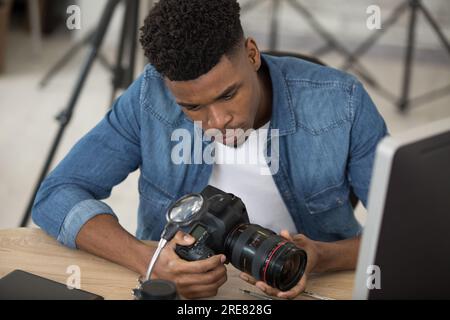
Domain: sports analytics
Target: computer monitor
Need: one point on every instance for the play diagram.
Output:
(405, 248)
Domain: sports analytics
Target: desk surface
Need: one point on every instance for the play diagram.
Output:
(33, 251)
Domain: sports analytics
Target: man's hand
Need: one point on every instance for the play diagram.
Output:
(196, 279)
(300, 241)
(104, 237)
(322, 257)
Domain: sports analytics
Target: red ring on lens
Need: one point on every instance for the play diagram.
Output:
(270, 258)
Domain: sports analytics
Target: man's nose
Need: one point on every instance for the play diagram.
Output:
(218, 118)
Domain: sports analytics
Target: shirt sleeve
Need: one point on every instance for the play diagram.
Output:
(368, 129)
(72, 193)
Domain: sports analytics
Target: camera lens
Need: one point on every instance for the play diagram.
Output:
(266, 256)
(289, 267)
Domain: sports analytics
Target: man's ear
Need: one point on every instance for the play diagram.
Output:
(253, 53)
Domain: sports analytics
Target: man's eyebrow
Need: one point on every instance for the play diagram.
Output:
(226, 92)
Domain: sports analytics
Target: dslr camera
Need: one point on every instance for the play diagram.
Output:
(221, 226)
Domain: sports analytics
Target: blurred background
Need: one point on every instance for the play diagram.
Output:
(34, 35)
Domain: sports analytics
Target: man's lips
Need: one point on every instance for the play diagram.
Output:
(234, 138)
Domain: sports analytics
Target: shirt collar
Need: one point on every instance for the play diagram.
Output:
(283, 117)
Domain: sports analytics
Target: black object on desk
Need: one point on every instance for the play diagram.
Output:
(157, 289)
(21, 285)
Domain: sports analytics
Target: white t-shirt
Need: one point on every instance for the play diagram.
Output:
(238, 171)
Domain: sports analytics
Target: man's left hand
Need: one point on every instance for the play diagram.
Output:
(302, 242)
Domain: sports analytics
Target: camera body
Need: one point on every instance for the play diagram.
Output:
(224, 212)
(224, 228)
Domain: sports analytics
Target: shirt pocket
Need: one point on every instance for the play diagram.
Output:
(331, 212)
(330, 198)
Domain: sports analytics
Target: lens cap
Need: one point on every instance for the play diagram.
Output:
(157, 290)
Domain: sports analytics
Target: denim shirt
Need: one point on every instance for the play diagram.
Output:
(328, 130)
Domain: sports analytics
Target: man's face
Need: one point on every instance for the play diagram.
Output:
(227, 97)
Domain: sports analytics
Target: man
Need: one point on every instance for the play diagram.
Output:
(203, 70)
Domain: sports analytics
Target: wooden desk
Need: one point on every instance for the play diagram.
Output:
(33, 251)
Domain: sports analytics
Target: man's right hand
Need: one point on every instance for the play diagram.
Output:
(103, 236)
(194, 279)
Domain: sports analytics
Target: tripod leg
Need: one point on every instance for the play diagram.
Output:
(118, 69)
(404, 100)
(65, 58)
(322, 50)
(65, 116)
(435, 26)
(134, 25)
(104, 62)
(273, 40)
(68, 55)
(124, 71)
(430, 96)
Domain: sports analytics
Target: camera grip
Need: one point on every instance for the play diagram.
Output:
(193, 252)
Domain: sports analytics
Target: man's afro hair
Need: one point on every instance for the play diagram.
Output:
(184, 39)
